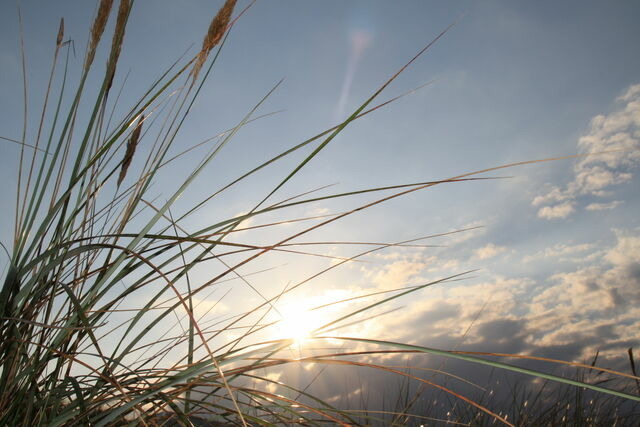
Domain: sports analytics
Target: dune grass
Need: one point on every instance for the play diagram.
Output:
(89, 239)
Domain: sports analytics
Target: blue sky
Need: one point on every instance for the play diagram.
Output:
(558, 256)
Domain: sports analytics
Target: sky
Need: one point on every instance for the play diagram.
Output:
(556, 251)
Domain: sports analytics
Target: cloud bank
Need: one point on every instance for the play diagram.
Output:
(566, 315)
(617, 135)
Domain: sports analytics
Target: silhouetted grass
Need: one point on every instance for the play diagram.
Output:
(98, 317)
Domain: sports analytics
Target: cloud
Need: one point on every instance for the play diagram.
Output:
(440, 264)
(561, 249)
(397, 273)
(566, 315)
(555, 194)
(603, 206)
(269, 381)
(560, 211)
(503, 335)
(617, 135)
(626, 253)
(489, 251)
(593, 305)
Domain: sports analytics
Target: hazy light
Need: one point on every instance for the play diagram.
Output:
(359, 41)
(298, 322)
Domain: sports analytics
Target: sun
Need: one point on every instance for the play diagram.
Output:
(300, 317)
(298, 322)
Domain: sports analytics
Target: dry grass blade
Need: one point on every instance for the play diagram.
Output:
(131, 149)
(216, 30)
(99, 23)
(632, 362)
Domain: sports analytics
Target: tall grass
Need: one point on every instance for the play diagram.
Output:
(99, 316)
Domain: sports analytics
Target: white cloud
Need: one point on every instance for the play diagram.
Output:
(560, 211)
(593, 303)
(566, 315)
(561, 251)
(617, 135)
(397, 274)
(473, 229)
(627, 252)
(603, 206)
(489, 251)
(269, 381)
(555, 194)
(439, 264)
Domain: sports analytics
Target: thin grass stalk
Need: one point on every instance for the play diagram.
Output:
(24, 127)
(57, 204)
(168, 138)
(59, 39)
(161, 211)
(190, 314)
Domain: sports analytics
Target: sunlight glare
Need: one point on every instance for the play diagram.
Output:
(298, 322)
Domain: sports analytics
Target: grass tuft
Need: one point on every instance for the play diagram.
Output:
(108, 305)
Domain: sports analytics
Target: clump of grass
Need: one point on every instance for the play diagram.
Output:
(550, 404)
(98, 320)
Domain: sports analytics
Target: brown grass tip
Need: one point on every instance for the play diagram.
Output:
(118, 37)
(97, 29)
(216, 30)
(131, 149)
(60, 33)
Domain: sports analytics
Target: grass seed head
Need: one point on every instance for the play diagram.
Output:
(217, 29)
(97, 29)
(118, 37)
(60, 33)
(131, 149)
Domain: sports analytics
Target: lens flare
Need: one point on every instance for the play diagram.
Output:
(359, 41)
(298, 322)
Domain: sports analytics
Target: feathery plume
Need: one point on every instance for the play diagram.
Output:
(131, 149)
(118, 37)
(217, 29)
(60, 33)
(97, 29)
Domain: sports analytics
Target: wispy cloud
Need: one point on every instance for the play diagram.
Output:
(489, 251)
(561, 210)
(618, 136)
(397, 273)
(561, 252)
(603, 206)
